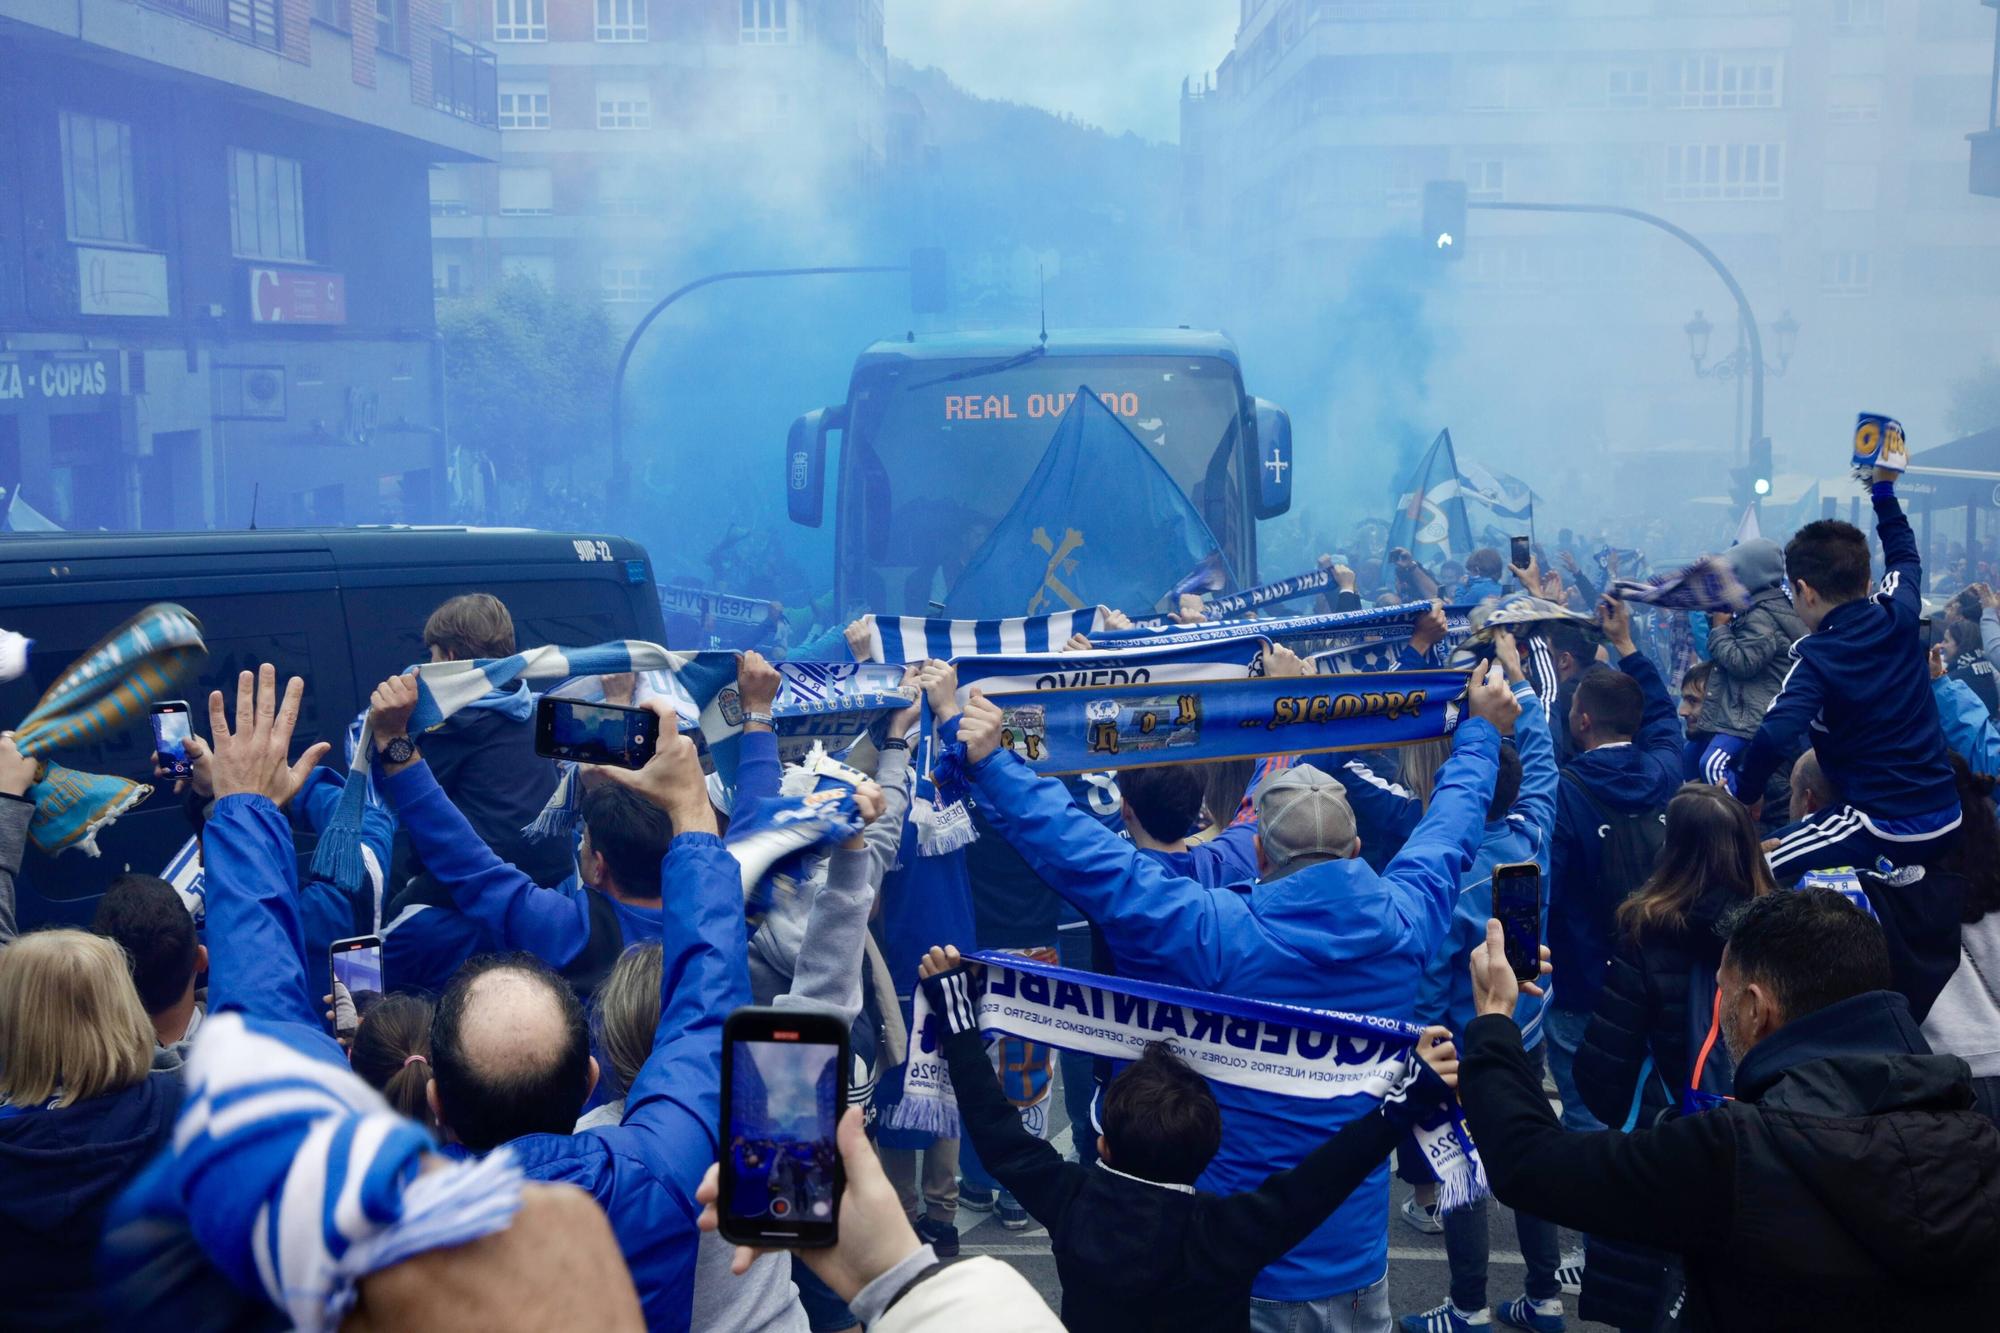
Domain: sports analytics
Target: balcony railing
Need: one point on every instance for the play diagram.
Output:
(252, 21)
(465, 80)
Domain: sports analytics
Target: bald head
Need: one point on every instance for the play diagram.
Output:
(510, 1053)
(1811, 792)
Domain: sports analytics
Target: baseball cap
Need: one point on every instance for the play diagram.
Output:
(1302, 817)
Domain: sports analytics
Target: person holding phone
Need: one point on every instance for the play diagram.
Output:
(1511, 864)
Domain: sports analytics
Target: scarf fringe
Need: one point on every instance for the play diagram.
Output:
(942, 829)
(559, 818)
(937, 1116)
(103, 819)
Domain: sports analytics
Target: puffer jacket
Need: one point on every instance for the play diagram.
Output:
(1643, 1011)
(1753, 651)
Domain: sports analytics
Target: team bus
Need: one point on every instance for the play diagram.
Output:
(940, 432)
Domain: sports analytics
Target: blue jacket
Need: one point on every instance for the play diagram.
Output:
(495, 906)
(1334, 935)
(644, 1171)
(1968, 727)
(1859, 694)
(1228, 859)
(1641, 775)
(330, 914)
(1522, 834)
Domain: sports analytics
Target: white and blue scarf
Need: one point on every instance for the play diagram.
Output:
(1278, 1048)
(295, 1179)
(903, 639)
(1264, 594)
(1709, 584)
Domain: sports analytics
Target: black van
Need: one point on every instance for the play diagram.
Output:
(343, 607)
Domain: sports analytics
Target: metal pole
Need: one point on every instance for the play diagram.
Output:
(619, 486)
(1693, 242)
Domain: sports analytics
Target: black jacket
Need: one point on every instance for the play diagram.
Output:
(60, 1170)
(1643, 1010)
(1134, 1255)
(1850, 1186)
(487, 765)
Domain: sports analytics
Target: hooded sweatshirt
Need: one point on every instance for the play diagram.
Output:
(1850, 1186)
(60, 1170)
(1752, 652)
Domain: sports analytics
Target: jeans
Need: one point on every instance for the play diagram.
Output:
(825, 1311)
(1466, 1243)
(1363, 1311)
(1564, 1029)
(1076, 1071)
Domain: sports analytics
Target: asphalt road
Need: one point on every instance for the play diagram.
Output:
(1418, 1275)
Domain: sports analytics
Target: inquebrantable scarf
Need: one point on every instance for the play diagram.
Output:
(292, 1179)
(1284, 1049)
(104, 691)
(1709, 584)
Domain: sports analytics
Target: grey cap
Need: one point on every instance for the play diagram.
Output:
(1302, 817)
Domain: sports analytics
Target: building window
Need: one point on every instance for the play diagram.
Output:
(447, 276)
(1854, 100)
(333, 13)
(448, 192)
(766, 23)
(1485, 178)
(624, 106)
(1846, 272)
(527, 192)
(1856, 15)
(1713, 82)
(621, 20)
(540, 268)
(626, 280)
(267, 206)
(524, 106)
(392, 27)
(520, 21)
(1628, 86)
(1725, 171)
(98, 182)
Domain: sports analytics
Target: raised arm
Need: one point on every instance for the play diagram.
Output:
(519, 913)
(258, 964)
(676, 1097)
(827, 972)
(1659, 724)
(1743, 647)
(1536, 805)
(1785, 722)
(1383, 809)
(1902, 589)
(1989, 627)
(758, 770)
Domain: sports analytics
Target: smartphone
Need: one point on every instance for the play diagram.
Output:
(172, 726)
(595, 733)
(357, 963)
(1517, 902)
(1521, 551)
(784, 1085)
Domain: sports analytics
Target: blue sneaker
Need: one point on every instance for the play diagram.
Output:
(973, 1198)
(1013, 1217)
(1446, 1318)
(1532, 1314)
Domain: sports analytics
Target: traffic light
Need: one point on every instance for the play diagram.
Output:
(1444, 217)
(1760, 468)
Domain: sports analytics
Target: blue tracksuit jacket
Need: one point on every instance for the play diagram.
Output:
(1859, 694)
(1334, 935)
(1968, 727)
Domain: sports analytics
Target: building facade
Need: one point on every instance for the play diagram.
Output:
(1818, 146)
(214, 225)
(629, 129)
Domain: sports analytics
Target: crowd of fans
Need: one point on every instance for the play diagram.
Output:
(1759, 1074)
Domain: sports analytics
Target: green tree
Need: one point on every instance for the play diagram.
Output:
(528, 383)
(1975, 400)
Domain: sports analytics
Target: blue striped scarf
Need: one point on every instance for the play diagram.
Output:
(1278, 590)
(903, 639)
(295, 1178)
(1709, 584)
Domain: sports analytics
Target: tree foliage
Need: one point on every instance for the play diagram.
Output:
(1975, 400)
(528, 376)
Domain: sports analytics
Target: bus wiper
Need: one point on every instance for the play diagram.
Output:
(974, 372)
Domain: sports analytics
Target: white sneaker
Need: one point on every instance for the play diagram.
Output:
(1569, 1274)
(1422, 1217)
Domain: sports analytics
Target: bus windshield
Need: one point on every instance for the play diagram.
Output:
(938, 451)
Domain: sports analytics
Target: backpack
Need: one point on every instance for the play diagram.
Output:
(1631, 844)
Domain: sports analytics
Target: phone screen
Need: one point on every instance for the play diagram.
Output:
(595, 733)
(1521, 552)
(171, 730)
(1517, 903)
(781, 1166)
(357, 964)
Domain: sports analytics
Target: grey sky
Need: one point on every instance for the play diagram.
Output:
(1113, 63)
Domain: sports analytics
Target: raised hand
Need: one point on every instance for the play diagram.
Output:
(1434, 1048)
(940, 959)
(672, 779)
(17, 771)
(1494, 987)
(757, 684)
(1489, 698)
(1282, 661)
(979, 727)
(251, 760)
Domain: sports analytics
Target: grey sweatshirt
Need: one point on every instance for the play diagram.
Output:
(15, 812)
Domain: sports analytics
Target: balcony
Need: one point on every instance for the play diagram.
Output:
(465, 80)
(252, 21)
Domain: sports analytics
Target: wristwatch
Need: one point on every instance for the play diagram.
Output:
(399, 749)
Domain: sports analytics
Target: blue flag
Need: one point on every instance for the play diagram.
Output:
(1099, 523)
(1430, 516)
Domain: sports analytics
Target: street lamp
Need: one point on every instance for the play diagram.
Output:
(1787, 332)
(1697, 330)
(1738, 364)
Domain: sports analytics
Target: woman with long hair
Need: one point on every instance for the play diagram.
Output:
(1653, 1035)
(392, 1053)
(81, 1111)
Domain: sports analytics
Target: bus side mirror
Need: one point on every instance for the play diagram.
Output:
(1274, 459)
(805, 463)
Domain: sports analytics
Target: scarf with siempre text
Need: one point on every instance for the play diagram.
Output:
(1288, 1050)
(106, 690)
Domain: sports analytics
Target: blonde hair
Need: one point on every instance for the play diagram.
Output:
(71, 1025)
(627, 1008)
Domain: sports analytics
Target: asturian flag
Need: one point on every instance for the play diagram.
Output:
(1430, 517)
